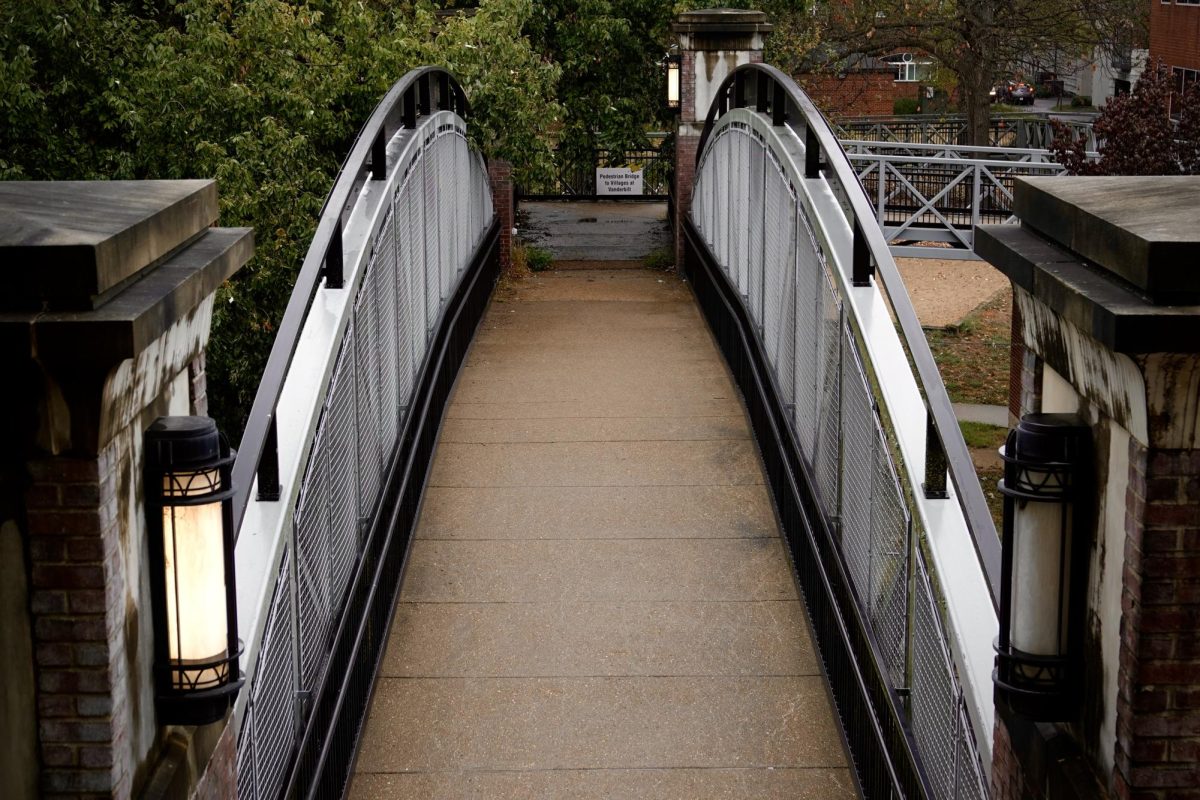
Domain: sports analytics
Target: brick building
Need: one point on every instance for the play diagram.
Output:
(1175, 38)
(868, 87)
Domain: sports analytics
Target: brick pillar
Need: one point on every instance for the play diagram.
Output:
(80, 638)
(106, 326)
(712, 43)
(1158, 702)
(500, 178)
(685, 176)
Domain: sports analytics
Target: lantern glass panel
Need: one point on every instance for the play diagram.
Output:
(194, 563)
(673, 85)
(1040, 575)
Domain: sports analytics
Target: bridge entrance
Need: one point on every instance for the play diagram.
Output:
(597, 601)
(572, 541)
(597, 234)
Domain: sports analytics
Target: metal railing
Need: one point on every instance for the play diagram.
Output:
(342, 430)
(575, 176)
(1004, 130)
(1027, 155)
(900, 569)
(928, 204)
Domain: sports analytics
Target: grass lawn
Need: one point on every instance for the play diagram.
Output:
(973, 357)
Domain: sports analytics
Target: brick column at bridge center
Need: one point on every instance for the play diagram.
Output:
(712, 43)
(110, 289)
(1107, 305)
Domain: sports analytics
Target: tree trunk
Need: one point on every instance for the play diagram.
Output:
(978, 106)
(977, 67)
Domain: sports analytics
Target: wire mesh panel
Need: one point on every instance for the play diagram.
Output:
(430, 234)
(970, 780)
(383, 273)
(739, 182)
(273, 694)
(314, 582)
(779, 232)
(367, 352)
(891, 528)
(935, 699)
(443, 154)
(827, 457)
(341, 453)
(247, 779)
(858, 466)
(755, 239)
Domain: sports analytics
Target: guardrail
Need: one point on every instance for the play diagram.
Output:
(928, 205)
(900, 569)
(334, 458)
(1025, 155)
(1004, 130)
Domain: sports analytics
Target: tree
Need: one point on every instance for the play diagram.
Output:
(264, 95)
(1155, 130)
(978, 41)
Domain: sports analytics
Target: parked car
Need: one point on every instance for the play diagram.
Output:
(1020, 94)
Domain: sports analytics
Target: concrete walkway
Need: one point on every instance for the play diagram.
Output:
(584, 232)
(597, 602)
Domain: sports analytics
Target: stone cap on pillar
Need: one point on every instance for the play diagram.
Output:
(97, 274)
(99, 269)
(722, 29)
(67, 244)
(1119, 257)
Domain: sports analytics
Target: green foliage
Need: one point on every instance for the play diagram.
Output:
(1155, 130)
(537, 259)
(612, 85)
(266, 96)
(906, 105)
(663, 258)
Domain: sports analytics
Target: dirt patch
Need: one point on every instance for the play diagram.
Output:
(595, 264)
(945, 291)
(973, 356)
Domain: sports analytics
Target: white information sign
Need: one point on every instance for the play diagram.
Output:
(618, 180)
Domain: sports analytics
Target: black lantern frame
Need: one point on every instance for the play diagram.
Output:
(672, 69)
(188, 488)
(1046, 461)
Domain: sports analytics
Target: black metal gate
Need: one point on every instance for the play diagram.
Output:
(574, 175)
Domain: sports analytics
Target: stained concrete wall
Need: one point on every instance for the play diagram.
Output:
(1103, 639)
(18, 713)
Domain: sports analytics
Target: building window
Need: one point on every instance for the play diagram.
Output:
(1188, 2)
(1184, 78)
(908, 69)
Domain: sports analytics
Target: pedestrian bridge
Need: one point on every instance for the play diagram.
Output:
(609, 533)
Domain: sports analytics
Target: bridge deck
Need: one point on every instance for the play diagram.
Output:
(597, 601)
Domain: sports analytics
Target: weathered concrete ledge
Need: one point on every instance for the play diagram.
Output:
(722, 29)
(1105, 308)
(65, 244)
(136, 316)
(1140, 229)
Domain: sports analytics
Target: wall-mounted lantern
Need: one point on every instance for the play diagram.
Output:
(672, 64)
(189, 527)
(1043, 566)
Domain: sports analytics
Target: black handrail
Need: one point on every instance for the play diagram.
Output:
(419, 93)
(764, 88)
